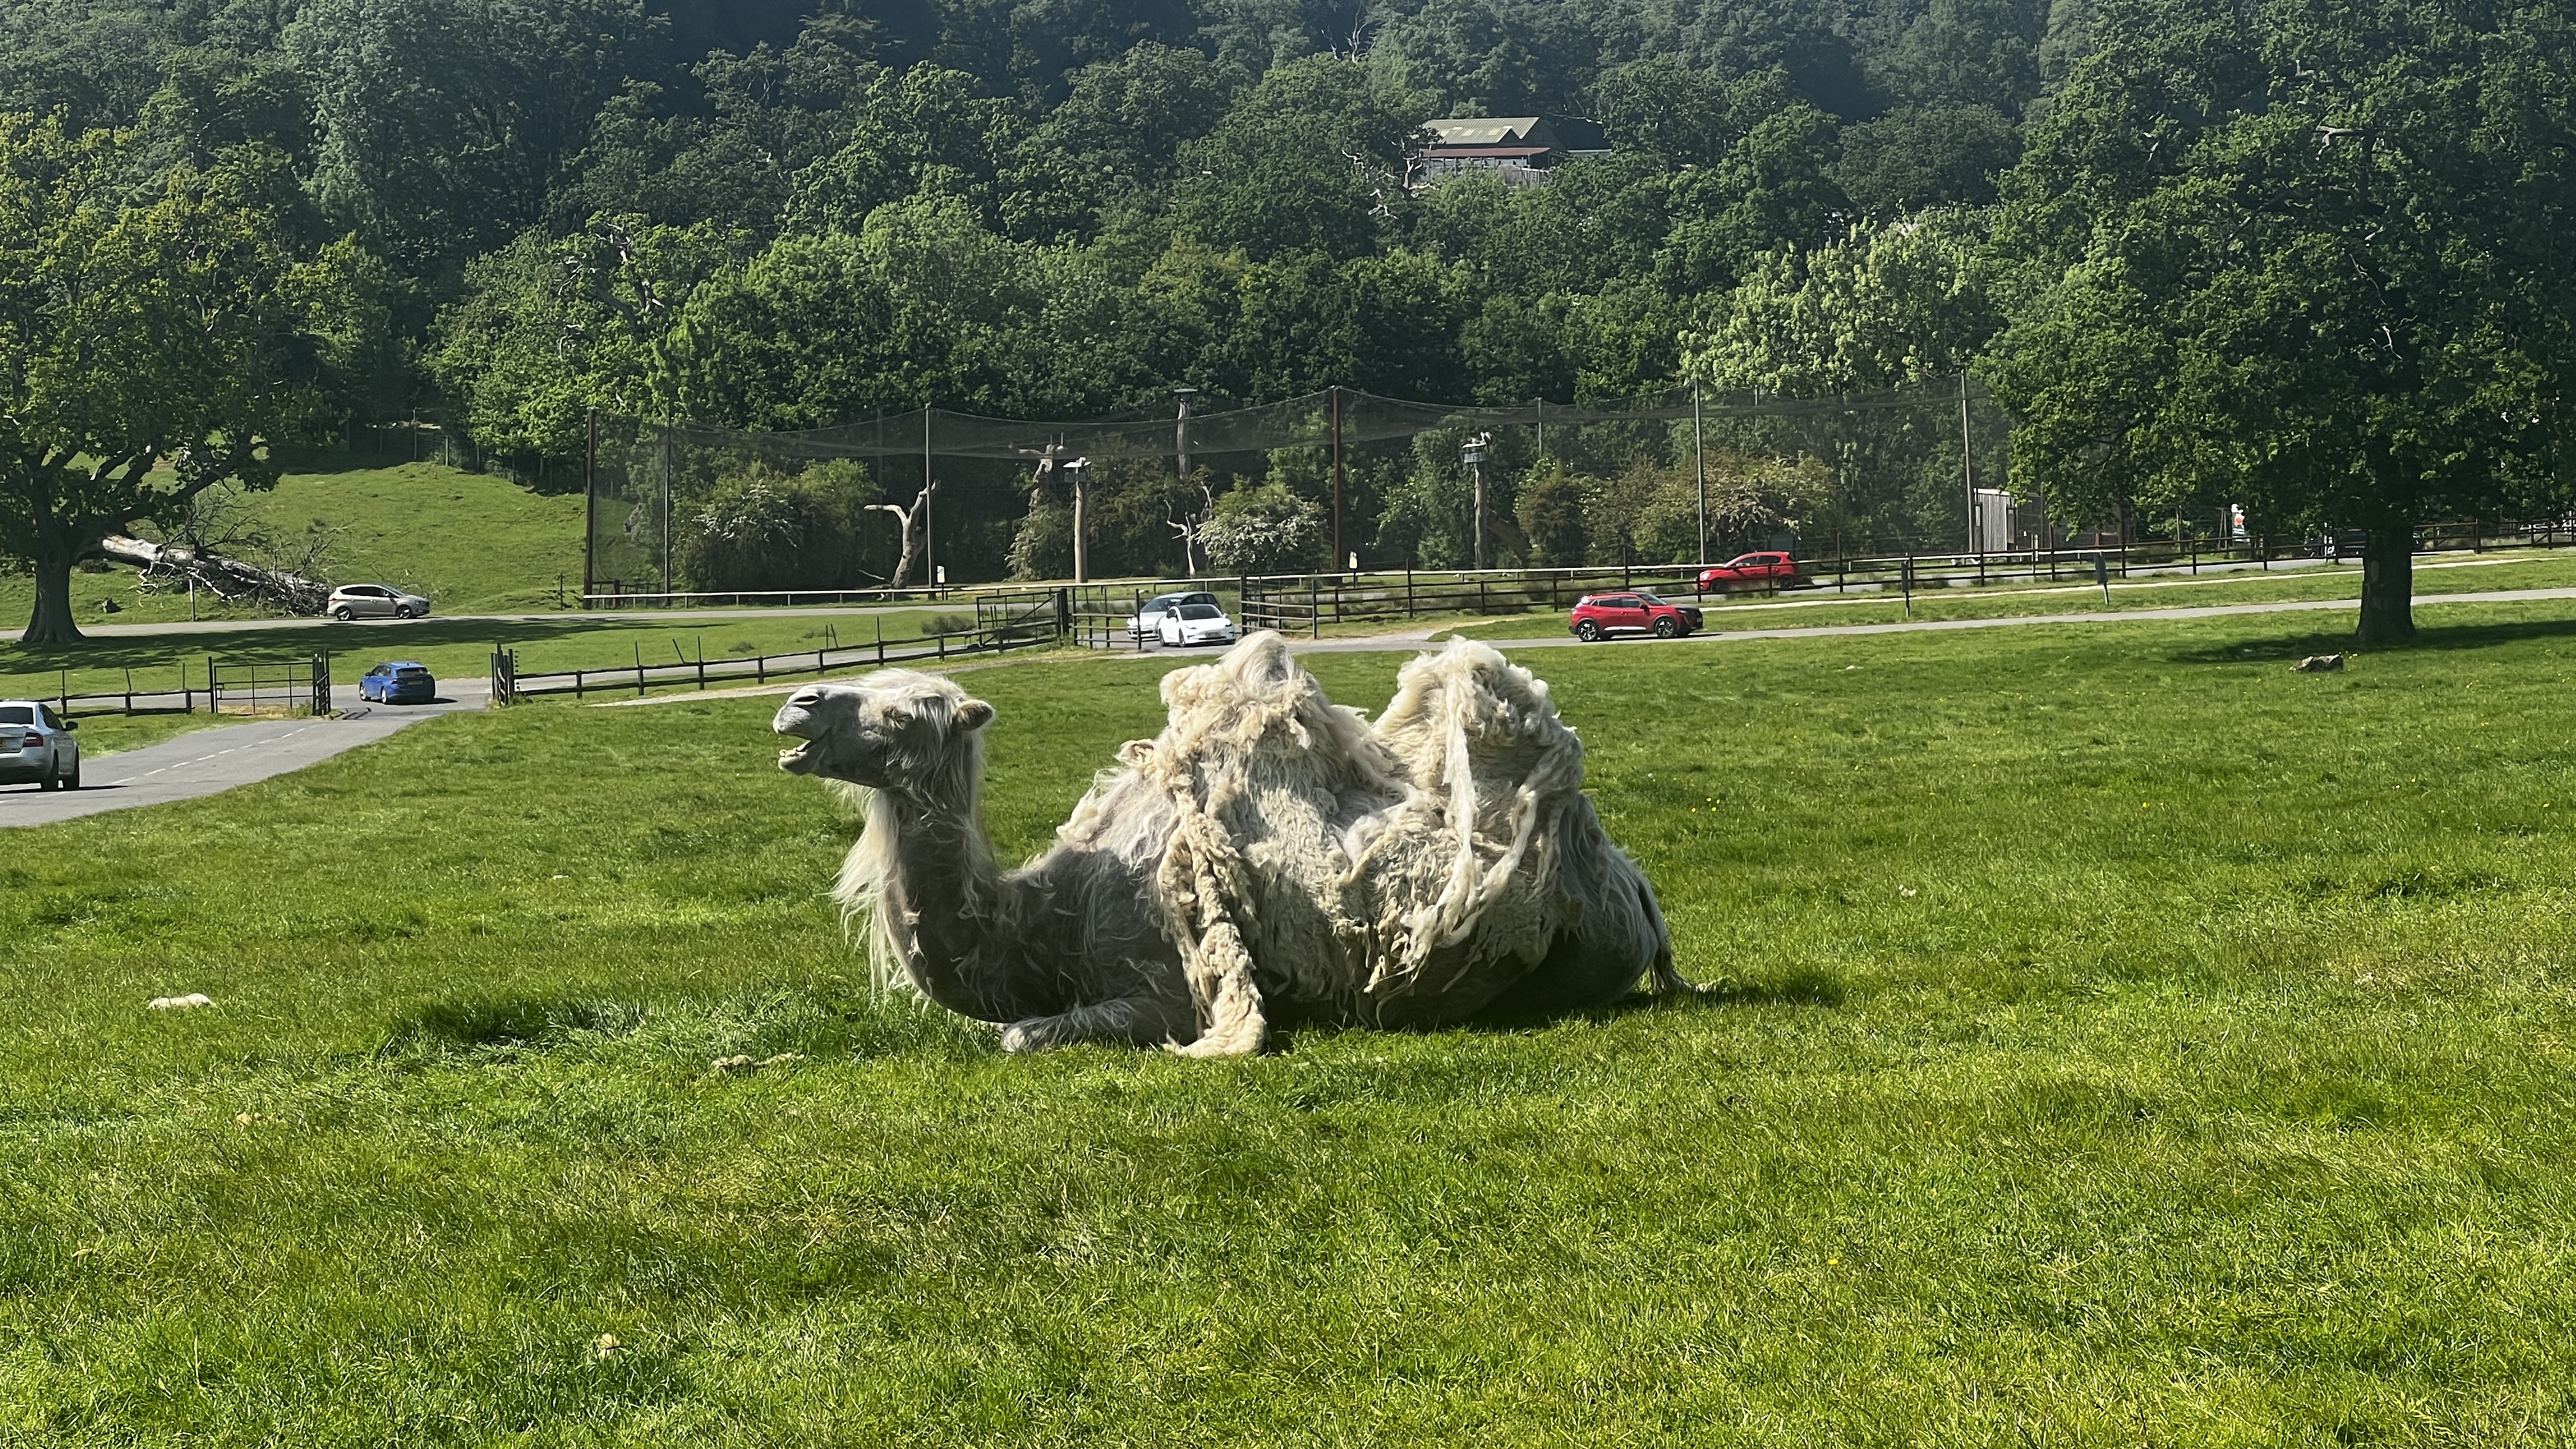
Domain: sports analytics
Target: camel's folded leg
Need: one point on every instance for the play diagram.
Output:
(1127, 1020)
(1220, 973)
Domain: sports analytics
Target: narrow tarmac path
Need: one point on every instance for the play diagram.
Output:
(1381, 642)
(206, 762)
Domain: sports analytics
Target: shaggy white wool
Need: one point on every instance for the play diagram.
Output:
(1267, 852)
(1316, 858)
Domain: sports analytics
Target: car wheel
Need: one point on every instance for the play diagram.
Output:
(1666, 628)
(72, 780)
(344, 613)
(402, 611)
(49, 781)
(1588, 632)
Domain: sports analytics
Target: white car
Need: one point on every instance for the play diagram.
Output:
(1149, 619)
(36, 746)
(1196, 624)
(374, 601)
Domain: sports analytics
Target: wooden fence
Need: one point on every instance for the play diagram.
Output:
(1003, 621)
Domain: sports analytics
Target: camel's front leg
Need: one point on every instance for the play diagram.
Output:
(1128, 1020)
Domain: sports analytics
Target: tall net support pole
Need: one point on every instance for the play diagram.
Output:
(589, 511)
(666, 505)
(1968, 471)
(929, 553)
(1699, 461)
(1340, 558)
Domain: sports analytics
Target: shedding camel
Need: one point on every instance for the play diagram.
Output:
(1269, 858)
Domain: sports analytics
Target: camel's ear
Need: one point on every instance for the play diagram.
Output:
(974, 714)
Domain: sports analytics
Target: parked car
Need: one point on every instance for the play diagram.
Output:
(374, 601)
(36, 746)
(1195, 624)
(1752, 571)
(1598, 616)
(1149, 619)
(402, 681)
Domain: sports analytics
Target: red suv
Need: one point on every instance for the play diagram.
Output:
(1751, 571)
(1597, 616)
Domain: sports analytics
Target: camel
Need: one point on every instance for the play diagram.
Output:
(1270, 858)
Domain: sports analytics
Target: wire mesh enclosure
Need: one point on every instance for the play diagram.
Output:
(912, 502)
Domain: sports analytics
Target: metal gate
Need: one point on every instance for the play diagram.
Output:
(269, 686)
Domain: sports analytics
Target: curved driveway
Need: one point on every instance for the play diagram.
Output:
(204, 762)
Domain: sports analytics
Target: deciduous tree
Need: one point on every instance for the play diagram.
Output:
(2308, 256)
(149, 350)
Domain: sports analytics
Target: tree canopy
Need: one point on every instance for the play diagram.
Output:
(152, 348)
(2298, 256)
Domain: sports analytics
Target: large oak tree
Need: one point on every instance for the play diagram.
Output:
(2310, 255)
(150, 348)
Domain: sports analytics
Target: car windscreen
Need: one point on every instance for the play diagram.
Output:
(1201, 611)
(1163, 605)
(1649, 600)
(17, 714)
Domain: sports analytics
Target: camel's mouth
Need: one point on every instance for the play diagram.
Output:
(795, 760)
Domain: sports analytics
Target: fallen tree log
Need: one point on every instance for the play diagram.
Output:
(176, 565)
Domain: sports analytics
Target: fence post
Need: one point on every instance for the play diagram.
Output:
(639, 667)
(1314, 609)
(577, 686)
(702, 661)
(321, 682)
(877, 623)
(129, 690)
(214, 688)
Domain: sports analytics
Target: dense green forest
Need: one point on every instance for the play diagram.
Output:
(750, 215)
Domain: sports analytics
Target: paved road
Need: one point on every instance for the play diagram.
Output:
(207, 761)
(1383, 642)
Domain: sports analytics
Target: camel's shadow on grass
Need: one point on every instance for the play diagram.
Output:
(1804, 987)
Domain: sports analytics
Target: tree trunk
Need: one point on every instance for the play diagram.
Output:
(53, 622)
(2388, 585)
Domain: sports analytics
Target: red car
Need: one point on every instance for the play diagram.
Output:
(1751, 571)
(1597, 616)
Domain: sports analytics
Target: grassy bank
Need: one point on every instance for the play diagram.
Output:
(452, 648)
(470, 542)
(2114, 1037)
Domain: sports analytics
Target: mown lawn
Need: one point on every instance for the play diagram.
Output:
(470, 542)
(452, 648)
(2113, 1037)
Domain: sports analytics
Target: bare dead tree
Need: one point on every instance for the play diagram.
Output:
(909, 520)
(1188, 526)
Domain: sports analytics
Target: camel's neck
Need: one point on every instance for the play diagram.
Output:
(944, 902)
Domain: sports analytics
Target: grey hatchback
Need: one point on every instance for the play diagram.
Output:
(374, 601)
(36, 746)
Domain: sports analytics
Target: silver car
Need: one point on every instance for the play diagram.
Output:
(374, 601)
(36, 746)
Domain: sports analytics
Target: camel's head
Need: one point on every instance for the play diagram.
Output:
(894, 728)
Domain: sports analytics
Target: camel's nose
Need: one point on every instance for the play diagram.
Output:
(806, 698)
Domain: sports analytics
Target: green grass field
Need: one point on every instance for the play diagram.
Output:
(452, 648)
(2113, 1037)
(469, 542)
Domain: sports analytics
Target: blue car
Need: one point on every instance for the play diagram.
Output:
(401, 682)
